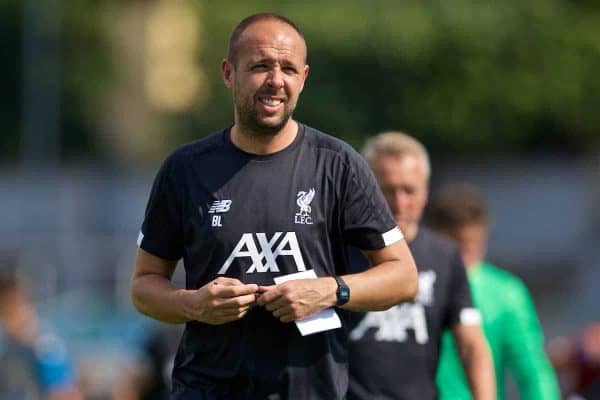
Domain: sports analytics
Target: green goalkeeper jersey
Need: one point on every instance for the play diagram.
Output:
(514, 334)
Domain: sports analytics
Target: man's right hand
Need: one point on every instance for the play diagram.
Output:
(220, 301)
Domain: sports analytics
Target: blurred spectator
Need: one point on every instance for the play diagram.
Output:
(510, 321)
(150, 377)
(34, 363)
(394, 353)
(577, 362)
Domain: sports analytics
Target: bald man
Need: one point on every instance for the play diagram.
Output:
(261, 214)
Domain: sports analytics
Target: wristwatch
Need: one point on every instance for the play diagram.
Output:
(343, 291)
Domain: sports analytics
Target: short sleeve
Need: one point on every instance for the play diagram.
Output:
(460, 309)
(161, 233)
(367, 221)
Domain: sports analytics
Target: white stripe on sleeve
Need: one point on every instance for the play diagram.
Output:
(140, 238)
(470, 316)
(392, 236)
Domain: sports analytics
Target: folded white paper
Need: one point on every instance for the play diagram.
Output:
(319, 322)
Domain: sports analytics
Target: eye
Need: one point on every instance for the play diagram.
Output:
(387, 191)
(259, 67)
(289, 70)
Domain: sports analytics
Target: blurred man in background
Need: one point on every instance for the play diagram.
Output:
(510, 321)
(34, 363)
(577, 362)
(394, 353)
(149, 378)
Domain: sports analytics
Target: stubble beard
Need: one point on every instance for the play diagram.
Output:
(250, 122)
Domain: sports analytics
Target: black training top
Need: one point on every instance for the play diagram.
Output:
(252, 217)
(394, 353)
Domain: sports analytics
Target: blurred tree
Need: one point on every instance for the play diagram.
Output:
(467, 77)
(10, 73)
(86, 72)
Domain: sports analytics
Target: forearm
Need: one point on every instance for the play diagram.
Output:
(378, 288)
(479, 370)
(70, 393)
(382, 286)
(155, 296)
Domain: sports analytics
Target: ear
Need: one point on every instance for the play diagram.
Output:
(306, 69)
(227, 72)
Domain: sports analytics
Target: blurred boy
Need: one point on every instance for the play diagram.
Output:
(510, 323)
(33, 363)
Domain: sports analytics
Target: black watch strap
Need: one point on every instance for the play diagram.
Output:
(343, 291)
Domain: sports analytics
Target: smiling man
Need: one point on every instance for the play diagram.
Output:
(254, 203)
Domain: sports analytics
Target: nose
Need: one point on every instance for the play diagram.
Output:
(400, 200)
(275, 79)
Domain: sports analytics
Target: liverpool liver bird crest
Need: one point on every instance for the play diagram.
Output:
(304, 200)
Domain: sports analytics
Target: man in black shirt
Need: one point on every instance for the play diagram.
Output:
(394, 353)
(244, 207)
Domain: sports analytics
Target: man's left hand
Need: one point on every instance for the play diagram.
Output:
(293, 300)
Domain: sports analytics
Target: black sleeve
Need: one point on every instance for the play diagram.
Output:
(161, 233)
(459, 293)
(367, 221)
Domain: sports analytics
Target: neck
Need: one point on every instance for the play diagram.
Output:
(259, 143)
(410, 232)
(472, 264)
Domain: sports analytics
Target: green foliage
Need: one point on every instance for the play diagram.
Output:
(10, 70)
(466, 77)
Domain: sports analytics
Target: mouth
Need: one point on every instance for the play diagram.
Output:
(270, 101)
(270, 104)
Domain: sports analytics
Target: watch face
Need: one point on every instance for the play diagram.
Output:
(344, 293)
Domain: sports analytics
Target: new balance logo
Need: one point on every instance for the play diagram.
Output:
(270, 249)
(219, 206)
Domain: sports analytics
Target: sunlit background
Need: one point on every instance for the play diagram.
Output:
(94, 94)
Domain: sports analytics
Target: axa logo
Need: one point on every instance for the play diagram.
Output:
(425, 294)
(265, 259)
(392, 325)
(303, 200)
